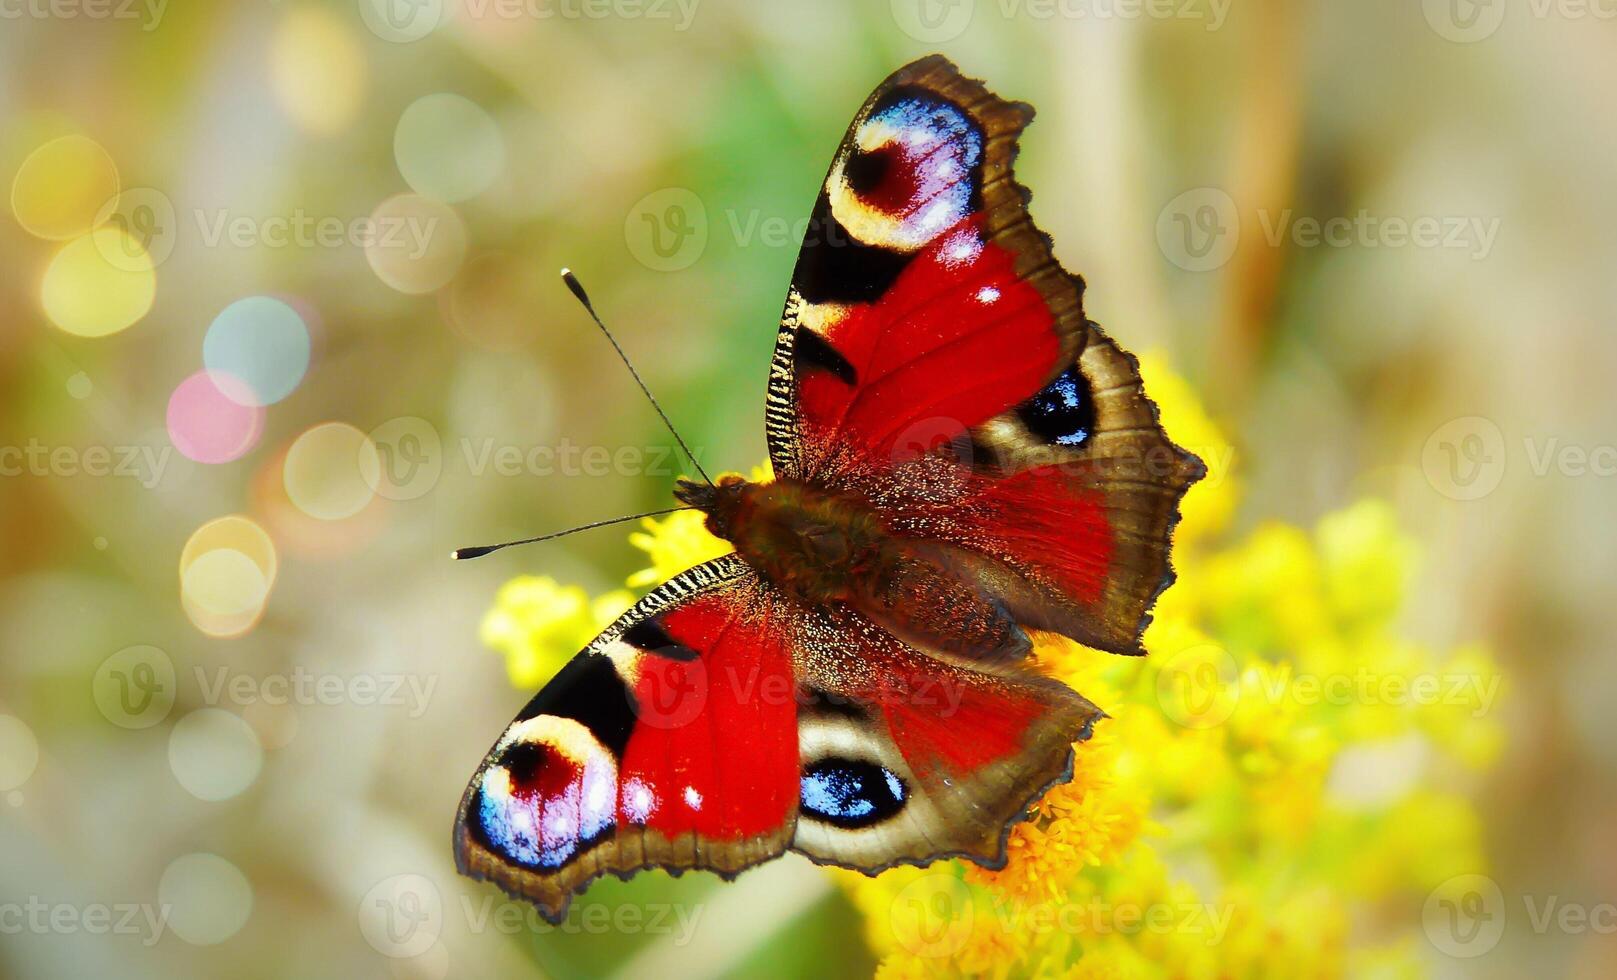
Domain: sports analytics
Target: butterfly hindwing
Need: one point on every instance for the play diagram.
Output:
(934, 357)
(907, 759)
(629, 758)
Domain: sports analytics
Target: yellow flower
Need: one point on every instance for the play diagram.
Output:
(1219, 823)
(680, 540)
(539, 625)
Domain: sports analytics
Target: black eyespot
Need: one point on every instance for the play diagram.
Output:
(851, 792)
(1062, 413)
(865, 170)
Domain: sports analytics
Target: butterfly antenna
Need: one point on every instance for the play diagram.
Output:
(461, 554)
(583, 297)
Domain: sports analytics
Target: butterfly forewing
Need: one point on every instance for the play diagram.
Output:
(934, 364)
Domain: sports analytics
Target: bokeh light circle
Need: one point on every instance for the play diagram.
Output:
(19, 752)
(275, 724)
(210, 426)
(208, 897)
(80, 386)
(261, 341)
(214, 754)
(60, 189)
(330, 470)
(448, 148)
(86, 294)
(225, 582)
(418, 244)
(221, 595)
(318, 70)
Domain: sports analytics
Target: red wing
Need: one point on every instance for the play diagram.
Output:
(934, 357)
(629, 758)
(907, 759)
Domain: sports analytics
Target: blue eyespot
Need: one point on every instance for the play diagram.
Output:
(851, 793)
(1062, 412)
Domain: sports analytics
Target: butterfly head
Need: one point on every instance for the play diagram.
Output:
(718, 500)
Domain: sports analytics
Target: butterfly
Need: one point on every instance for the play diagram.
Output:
(961, 459)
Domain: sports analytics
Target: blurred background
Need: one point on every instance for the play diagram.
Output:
(281, 327)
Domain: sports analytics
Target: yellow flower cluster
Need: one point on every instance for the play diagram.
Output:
(1284, 764)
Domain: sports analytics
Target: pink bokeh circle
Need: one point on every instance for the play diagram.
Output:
(208, 425)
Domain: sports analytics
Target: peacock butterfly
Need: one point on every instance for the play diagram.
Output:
(960, 457)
